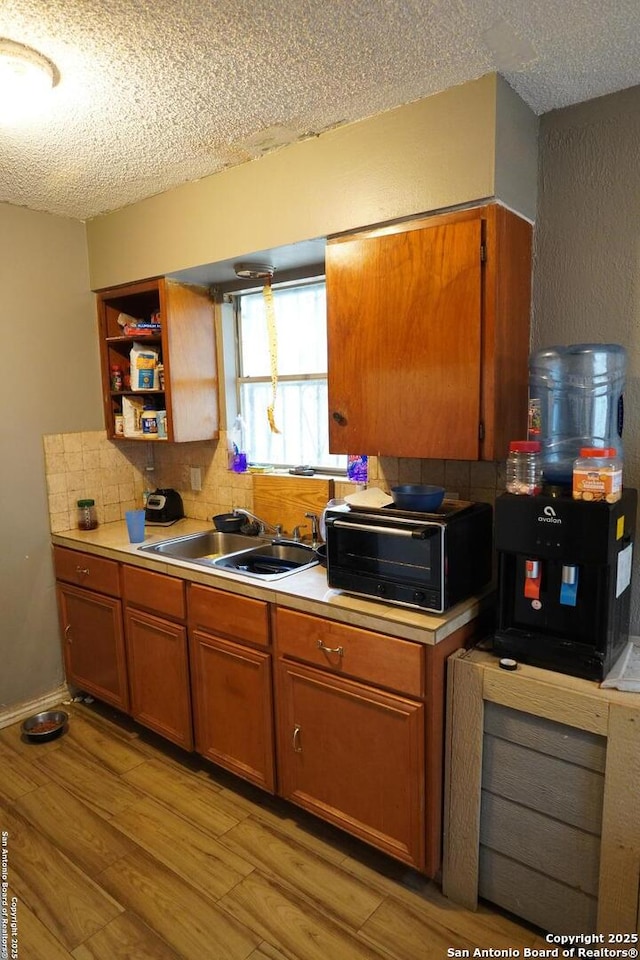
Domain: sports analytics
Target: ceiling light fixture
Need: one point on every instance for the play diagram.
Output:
(254, 271)
(25, 77)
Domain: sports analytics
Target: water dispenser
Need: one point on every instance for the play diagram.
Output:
(575, 400)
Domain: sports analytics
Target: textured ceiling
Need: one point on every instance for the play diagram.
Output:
(154, 93)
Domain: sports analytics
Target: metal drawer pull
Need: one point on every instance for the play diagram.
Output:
(338, 650)
(84, 570)
(296, 739)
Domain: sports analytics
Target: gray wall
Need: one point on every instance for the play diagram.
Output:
(49, 384)
(587, 249)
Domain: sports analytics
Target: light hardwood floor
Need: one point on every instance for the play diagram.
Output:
(118, 846)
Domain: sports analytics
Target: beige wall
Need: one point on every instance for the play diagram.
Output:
(49, 382)
(424, 156)
(587, 258)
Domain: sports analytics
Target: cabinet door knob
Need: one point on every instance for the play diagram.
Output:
(83, 571)
(67, 635)
(297, 748)
(338, 650)
(339, 418)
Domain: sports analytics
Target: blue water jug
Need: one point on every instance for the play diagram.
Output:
(575, 400)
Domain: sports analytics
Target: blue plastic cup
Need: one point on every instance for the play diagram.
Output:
(135, 525)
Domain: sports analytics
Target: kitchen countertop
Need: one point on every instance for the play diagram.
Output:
(306, 591)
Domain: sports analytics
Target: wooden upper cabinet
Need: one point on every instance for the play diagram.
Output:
(428, 336)
(186, 345)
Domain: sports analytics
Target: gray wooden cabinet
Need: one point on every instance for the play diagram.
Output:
(541, 813)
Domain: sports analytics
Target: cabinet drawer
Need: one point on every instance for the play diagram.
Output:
(374, 657)
(229, 614)
(87, 570)
(154, 591)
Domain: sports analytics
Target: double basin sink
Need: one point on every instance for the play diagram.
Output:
(236, 553)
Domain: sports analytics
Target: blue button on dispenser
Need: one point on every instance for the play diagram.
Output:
(569, 587)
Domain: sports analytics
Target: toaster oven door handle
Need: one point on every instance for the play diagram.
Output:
(416, 533)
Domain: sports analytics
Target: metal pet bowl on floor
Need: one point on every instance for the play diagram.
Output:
(42, 727)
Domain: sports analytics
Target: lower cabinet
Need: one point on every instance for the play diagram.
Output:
(233, 707)
(344, 722)
(232, 683)
(90, 611)
(93, 644)
(354, 755)
(159, 676)
(351, 730)
(360, 731)
(157, 653)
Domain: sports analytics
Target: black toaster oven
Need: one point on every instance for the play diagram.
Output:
(425, 560)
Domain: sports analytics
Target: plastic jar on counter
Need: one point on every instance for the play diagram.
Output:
(597, 475)
(524, 468)
(87, 516)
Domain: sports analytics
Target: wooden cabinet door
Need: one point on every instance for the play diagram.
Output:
(93, 644)
(354, 756)
(404, 337)
(159, 676)
(233, 707)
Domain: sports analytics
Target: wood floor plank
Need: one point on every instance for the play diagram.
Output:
(34, 940)
(407, 935)
(418, 894)
(385, 874)
(323, 883)
(92, 843)
(19, 775)
(267, 952)
(403, 929)
(69, 904)
(305, 829)
(12, 737)
(204, 862)
(116, 755)
(186, 795)
(125, 938)
(88, 780)
(189, 922)
(111, 720)
(291, 924)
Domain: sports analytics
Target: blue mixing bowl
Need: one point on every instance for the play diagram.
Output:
(417, 496)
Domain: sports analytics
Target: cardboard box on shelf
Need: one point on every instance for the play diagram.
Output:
(132, 408)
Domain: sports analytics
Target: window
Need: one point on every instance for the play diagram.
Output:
(301, 412)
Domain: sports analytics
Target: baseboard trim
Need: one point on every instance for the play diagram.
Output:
(20, 711)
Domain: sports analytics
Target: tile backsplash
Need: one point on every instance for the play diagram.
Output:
(116, 475)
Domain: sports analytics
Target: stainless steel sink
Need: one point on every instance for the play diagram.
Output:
(204, 546)
(236, 553)
(270, 562)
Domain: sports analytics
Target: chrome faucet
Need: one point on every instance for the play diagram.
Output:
(263, 526)
(315, 529)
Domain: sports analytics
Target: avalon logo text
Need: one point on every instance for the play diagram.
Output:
(549, 516)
